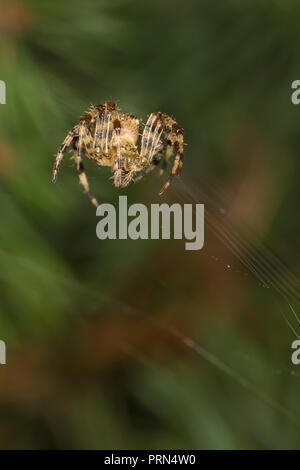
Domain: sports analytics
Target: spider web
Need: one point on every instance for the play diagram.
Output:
(246, 246)
(269, 271)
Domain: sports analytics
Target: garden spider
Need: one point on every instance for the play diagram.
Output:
(110, 138)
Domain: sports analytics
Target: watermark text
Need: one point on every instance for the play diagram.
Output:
(163, 221)
(2, 92)
(2, 352)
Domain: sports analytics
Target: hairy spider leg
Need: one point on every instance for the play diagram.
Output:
(92, 117)
(88, 145)
(169, 153)
(117, 132)
(106, 127)
(101, 115)
(99, 138)
(96, 132)
(68, 140)
(174, 134)
(148, 136)
(110, 127)
(150, 139)
(84, 181)
(80, 168)
(177, 166)
(156, 161)
(82, 133)
(148, 144)
(155, 138)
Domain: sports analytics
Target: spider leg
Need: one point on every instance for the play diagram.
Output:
(104, 123)
(177, 167)
(127, 178)
(92, 117)
(84, 181)
(168, 155)
(82, 133)
(174, 135)
(92, 114)
(68, 140)
(155, 125)
(109, 126)
(115, 136)
(102, 118)
(151, 137)
(95, 119)
(150, 140)
(156, 161)
(87, 142)
(97, 125)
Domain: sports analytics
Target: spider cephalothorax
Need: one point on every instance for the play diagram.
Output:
(111, 138)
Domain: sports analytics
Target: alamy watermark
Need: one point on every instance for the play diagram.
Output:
(188, 222)
(2, 352)
(295, 96)
(295, 358)
(2, 92)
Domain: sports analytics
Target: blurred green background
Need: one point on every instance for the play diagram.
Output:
(141, 344)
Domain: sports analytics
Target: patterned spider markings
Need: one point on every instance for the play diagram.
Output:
(111, 138)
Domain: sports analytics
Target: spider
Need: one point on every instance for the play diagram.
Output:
(110, 138)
